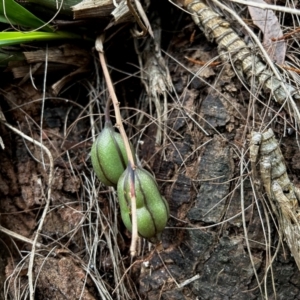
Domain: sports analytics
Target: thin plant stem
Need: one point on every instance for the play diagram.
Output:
(47, 204)
(119, 125)
(107, 116)
(20, 237)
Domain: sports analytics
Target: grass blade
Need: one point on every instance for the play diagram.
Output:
(14, 13)
(13, 38)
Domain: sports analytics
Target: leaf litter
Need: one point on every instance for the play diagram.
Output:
(268, 23)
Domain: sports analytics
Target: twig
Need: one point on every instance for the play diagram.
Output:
(188, 281)
(203, 63)
(286, 36)
(43, 102)
(290, 69)
(283, 9)
(244, 220)
(138, 20)
(119, 125)
(133, 214)
(35, 243)
(19, 236)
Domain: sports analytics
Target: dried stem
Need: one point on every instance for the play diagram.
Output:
(133, 214)
(41, 222)
(19, 237)
(279, 8)
(119, 125)
(107, 116)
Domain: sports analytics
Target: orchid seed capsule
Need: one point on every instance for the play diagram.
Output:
(108, 154)
(152, 209)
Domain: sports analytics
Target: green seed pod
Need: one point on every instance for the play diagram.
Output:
(108, 154)
(151, 208)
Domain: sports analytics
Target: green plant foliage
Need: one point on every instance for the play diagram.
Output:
(13, 38)
(13, 13)
(16, 15)
(64, 6)
(5, 57)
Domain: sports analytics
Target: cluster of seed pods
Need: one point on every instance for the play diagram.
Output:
(110, 163)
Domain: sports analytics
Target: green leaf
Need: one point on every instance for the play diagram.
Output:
(13, 38)
(6, 57)
(14, 13)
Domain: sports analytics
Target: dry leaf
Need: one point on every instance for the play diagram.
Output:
(267, 22)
